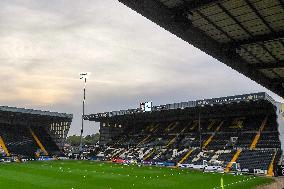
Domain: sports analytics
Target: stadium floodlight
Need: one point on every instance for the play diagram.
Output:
(84, 76)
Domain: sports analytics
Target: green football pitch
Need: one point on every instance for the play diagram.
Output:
(98, 175)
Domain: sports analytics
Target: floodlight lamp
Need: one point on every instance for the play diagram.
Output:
(84, 75)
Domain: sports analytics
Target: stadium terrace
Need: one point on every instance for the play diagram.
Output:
(29, 134)
(242, 133)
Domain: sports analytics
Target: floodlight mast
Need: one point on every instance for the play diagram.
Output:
(83, 76)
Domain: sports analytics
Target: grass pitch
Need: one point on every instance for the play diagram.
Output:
(97, 175)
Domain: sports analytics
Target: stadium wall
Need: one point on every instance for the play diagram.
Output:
(280, 121)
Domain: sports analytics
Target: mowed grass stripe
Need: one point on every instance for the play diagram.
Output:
(37, 177)
(50, 175)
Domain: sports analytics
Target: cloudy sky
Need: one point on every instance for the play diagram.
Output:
(45, 44)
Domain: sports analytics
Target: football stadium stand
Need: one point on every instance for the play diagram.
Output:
(31, 133)
(235, 133)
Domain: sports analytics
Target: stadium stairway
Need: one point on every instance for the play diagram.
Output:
(257, 136)
(186, 156)
(234, 159)
(171, 126)
(195, 124)
(153, 129)
(144, 140)
(149, 154)
(18, 140)
(2, 144)
(157, 153)
(205, 144)
(118, 152)
(271, 166)
(38, 142)
(171, 141)
(211, 124)
(109, 152)
(222, 157)
(174, 139)
(46, 140)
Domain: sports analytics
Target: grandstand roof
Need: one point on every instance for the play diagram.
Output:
(34, 112)
(241, 109)
(261, 96)
(247, 35)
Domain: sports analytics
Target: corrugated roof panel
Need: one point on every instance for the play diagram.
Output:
(209, 28)
(221, 39)
(278, 43)
(171, 3)
(246, 55)
(218, 17)
(234, 3)
(269, 73)
(266, 58)
(264, 3)
(238, 11)
(259, 52)
(249, 59)
(270, 11)
(225, 23)
(279, 71)
(249, 20)
(246, 17)
(275, 17)
(259, 30)
(200, 23)
(216, 34)
(238, 34)
(263, 55)
(276, 21)
(276, 48)
(198, 20)
(252, 23)
(210, 10)
(277, 25)
(233, 28)
(232, 32)
(255, 27)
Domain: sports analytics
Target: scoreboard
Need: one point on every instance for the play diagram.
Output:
(146, 106)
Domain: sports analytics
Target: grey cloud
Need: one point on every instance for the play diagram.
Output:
(45, 44)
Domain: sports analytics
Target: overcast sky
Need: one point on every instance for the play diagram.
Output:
(44, 44)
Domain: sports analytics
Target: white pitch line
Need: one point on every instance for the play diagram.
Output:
(240, 181)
